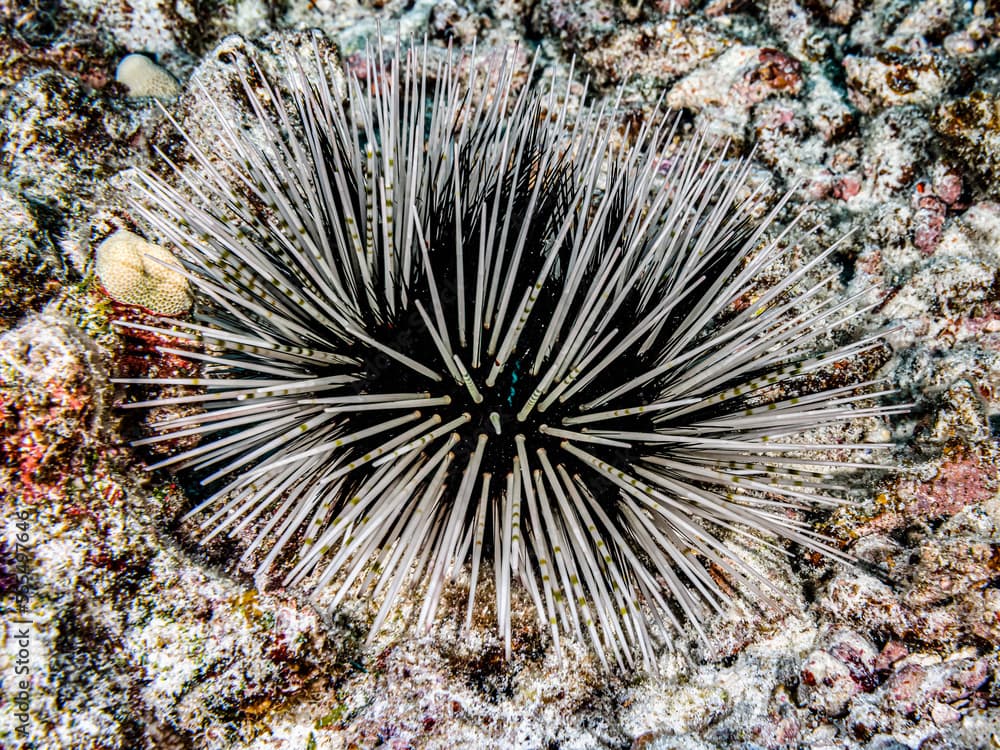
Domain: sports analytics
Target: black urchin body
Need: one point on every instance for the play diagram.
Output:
(446, 329)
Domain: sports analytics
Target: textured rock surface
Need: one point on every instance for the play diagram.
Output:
(885, 116)
(30, 268)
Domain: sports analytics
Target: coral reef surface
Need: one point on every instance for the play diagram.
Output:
(121, 632)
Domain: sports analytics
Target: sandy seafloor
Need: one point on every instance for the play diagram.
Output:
(885, 114)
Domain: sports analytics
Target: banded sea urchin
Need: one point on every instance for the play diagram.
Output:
(446, 324)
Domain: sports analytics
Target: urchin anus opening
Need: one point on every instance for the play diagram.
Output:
(436, 335)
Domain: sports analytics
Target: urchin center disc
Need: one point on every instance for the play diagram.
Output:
(497, 410)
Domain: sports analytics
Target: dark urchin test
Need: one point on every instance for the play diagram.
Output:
(447, 323)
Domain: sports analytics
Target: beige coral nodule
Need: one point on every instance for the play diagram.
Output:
(143, 77)
(136, 272)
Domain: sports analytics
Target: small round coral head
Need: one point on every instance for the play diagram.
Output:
(143, 77)
(135, 272)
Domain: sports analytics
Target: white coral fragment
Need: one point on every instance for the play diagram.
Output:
(136, 272)
(143, 77)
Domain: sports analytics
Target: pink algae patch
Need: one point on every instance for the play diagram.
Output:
(961, 481)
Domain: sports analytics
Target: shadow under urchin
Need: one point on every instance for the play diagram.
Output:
(446, 323)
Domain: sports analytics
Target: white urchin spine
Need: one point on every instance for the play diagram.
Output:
(467, 334)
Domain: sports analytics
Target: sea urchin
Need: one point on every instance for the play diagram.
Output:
(447, 323)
